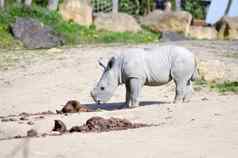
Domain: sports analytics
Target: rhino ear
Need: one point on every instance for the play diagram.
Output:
(111, 62)
(101, 63)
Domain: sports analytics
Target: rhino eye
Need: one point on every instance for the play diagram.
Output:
(102, 88)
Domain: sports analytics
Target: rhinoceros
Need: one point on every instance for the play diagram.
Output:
(136, 67)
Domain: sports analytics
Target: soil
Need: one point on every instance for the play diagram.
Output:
(99, 124)
(31, 92)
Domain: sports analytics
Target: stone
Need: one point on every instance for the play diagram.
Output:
(79, 11)
(168, 21)
(120, 22)
(59, 126)
(200, 32)
(228, 28)
(212, 71)
(172, 36)
(34, 34)
(32, 133)
(54, 50)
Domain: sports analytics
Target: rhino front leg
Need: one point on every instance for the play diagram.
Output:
(127, 93)
(133, 91)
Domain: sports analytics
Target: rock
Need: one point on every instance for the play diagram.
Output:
(9, 119)
(23, 118)
(46, 113)
(99, 124)
(172, 36)
(54, 50)
(120, 22)
(59, 126)
(79, 11)
(168, 21)
(18, 137)
(211, 70)
(24, 114)
(200, 32)
(30, 123)
(34, 34)
(32, 133)
(73, 106)
(228, 28)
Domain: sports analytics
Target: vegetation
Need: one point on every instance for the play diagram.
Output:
(195, 8)
(226, 86)
(72, 32)
(136, 7)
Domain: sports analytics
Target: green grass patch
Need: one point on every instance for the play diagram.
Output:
(72, 32)
(225, 87)
(232, 55)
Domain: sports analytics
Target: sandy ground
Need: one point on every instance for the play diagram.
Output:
(207, 127)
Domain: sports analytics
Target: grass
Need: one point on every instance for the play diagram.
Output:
(226, 86)
(232, 55)
(72, 32)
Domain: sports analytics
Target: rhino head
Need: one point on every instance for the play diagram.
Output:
(108, 82)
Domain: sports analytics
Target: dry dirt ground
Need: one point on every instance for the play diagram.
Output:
(207, 127)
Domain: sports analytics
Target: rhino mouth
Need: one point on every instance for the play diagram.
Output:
(99, 102)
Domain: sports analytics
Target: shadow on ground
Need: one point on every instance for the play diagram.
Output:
(121, 105)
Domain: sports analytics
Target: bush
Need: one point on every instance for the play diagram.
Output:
(136, 7)
(195, 8)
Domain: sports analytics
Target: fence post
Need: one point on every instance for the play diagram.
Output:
(178, 5)
(114, 6)
(28, 3)
(53, 5)
(1, 4)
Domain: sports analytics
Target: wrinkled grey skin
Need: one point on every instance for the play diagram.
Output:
(151, 67)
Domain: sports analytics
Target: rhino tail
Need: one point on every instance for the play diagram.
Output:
(195, 75)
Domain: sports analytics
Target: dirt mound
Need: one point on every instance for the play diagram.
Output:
(99, 124)
(73, 106)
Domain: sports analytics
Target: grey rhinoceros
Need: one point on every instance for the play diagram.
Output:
(136, 67)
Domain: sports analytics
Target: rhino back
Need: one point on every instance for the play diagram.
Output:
(152, 65)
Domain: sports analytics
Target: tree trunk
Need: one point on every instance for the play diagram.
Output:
(28, 3)
(1, 4)
(53, 4)
(18, 1)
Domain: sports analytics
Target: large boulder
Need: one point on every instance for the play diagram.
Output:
(211, 70)
(120, 22)
(34, 34)
(168, 21)
(228, 28)
(200, 32)
(79, 11)
(172, 36)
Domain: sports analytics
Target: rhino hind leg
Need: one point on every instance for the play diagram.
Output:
(188, 92)
(133, 92)
(180, 91)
